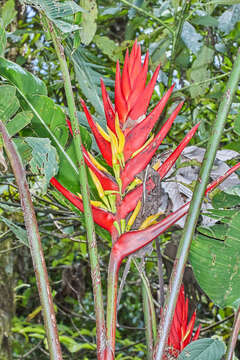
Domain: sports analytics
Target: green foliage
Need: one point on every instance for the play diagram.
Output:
(215, 254)
(203, 349)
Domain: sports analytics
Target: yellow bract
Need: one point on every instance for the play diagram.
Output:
(102, 132)
(121, 137)
(133, 216)
(150, 220)
(97, 164)
(143, 147)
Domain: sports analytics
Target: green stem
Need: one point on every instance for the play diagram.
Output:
(149, 313)
(35, 247)
(144, 12)
(92, 246)
(113, 269)
(195, 206)
(201, 82)
(234, 336)
(176, 37)
(150, 299)
(148, 323)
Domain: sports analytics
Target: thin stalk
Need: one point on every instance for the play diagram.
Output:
(176, 37)
(160, 272)
(148, 323)
(35, 247)
(148, 293)
(91, 237)
(193, 214)
(234, 336)
(113, 269)
(148, 311)
(144, 12)
(201, 82)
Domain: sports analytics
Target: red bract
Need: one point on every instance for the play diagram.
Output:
(181, 332)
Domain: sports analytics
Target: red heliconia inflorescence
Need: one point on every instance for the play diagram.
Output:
(127, 146)
(181, 333)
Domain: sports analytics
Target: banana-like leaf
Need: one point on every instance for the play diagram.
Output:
(216, 263)
(48, 120)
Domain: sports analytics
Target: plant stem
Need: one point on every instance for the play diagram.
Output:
(35, 247)
(92, 246)
(195, 206)
(201, 82)
(176, 37)
(144, 12)
(234, 336)
(148, 323)
(113, 269)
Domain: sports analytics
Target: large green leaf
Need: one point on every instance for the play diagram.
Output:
(216, 263)
(26, 82)
(203, 349)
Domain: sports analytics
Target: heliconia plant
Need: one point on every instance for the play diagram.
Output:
(128, 146)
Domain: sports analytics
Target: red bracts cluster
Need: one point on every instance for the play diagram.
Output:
(128, 146)
(181, 333)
